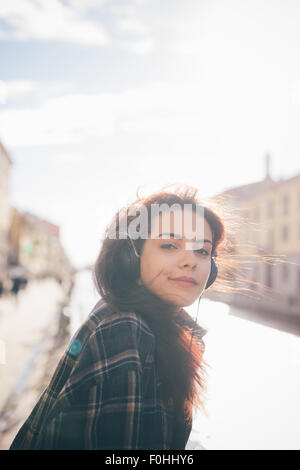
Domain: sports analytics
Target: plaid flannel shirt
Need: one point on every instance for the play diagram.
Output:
(104, 393)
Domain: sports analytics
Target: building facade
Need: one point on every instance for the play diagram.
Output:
(268, 235)
(30, 247)
(40, 250)
(5, 213)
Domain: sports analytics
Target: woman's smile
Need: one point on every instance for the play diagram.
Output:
(184, 282)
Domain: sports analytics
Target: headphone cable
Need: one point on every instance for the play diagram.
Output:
(195, 324)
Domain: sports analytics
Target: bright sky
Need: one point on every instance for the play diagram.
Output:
(100, 97)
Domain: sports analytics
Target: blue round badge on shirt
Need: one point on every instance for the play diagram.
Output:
(75, 347)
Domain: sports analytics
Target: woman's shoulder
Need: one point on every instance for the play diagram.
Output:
(109, 343)
(104, 319)
(118, 331)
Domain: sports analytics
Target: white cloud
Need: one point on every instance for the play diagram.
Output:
(18, 88)
(140, 2)
(86, 4)
(157, 108)
(3, 92)
(126, 9)
(21, 92)
(187, 46)
(131, 25)
(62, 120)
(74, 22)
(49, 20)
(74, 117)
(139, 46)
(162, 98)
(162, 108)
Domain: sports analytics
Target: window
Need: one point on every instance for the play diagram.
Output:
(285, 205)
(269, 280)
(285, 233)
(270, 209)
(256, 214)
(252, 283)
(270, 242)
(256, 236)
(285, 272)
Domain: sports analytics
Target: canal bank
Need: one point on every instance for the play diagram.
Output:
(254, 309)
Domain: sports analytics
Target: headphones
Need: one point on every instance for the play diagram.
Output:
(213, 273)
(129, 264)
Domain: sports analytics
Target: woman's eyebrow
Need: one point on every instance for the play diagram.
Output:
(169, 235)
(175, 235)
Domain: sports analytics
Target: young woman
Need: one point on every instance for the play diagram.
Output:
(134, 369)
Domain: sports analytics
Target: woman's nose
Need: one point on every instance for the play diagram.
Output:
(188, 258)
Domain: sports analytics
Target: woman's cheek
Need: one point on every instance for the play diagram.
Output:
(167, 260)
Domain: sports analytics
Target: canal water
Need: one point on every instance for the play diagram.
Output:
(253, 391)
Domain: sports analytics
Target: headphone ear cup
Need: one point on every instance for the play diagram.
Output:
(213, 274)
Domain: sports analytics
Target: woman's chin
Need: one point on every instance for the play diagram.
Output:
(180, 302)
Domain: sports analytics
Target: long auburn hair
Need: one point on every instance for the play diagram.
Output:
(179, 348)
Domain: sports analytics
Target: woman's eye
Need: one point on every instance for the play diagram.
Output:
(167, 246)
(202, 251)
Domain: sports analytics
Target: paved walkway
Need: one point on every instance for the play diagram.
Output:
(28, 329)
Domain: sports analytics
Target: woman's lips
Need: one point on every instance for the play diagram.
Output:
(184, 283)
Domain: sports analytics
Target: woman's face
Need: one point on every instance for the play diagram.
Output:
(166, 258)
